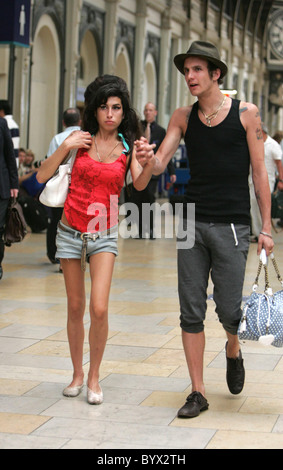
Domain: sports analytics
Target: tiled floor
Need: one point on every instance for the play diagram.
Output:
(143, 375)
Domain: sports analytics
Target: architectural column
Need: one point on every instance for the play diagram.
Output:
(73, 17)
(110, 35)
(240, 79)
(251, 69)
(141, 21)
(165, 50)
(23, 100)
(185, 98)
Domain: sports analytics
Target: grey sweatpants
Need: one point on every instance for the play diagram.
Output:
(220, 250)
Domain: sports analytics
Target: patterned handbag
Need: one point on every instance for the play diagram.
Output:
(262, 318)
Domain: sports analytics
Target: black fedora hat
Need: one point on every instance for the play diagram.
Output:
(202, 49)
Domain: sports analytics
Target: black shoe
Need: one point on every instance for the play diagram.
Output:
(280, 223)
(1, 272)
(53, 260)
(235, 374)
(194, 405)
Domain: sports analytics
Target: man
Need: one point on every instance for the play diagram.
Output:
(155, 135)
(222, 136)
(8, 180)
(5, 112)
(273, 163)
(71, 122)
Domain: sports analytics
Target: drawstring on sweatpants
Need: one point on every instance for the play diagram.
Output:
(235, 235)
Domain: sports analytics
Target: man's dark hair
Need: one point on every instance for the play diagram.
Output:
(71, 117)
(4, 104)
(211, 68)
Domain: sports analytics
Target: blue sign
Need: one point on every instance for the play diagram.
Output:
(15, 22)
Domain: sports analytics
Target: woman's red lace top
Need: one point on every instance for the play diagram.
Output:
(92, 202)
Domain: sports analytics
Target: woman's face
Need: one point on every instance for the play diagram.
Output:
(110, 115)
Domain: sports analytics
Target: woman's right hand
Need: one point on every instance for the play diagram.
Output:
(79, 139)
(76, 140)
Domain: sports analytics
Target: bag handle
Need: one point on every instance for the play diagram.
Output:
(263, 262)
(276, 268)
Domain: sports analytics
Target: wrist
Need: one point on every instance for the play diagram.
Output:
(266, 234)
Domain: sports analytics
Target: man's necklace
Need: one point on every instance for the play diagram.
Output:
(96, 149)
(210, 117)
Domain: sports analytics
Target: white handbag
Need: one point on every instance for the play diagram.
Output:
(56, 189)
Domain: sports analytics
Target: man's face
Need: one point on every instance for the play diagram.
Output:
(197, 75)
(150, 112)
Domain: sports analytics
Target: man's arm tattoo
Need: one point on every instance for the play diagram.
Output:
(259, 133)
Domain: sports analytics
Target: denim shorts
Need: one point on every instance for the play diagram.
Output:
(69, 244)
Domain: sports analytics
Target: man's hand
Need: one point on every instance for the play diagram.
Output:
(144, 152)
(14, 193)
(266, 242)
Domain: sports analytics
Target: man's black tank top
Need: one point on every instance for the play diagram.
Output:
(219, 163)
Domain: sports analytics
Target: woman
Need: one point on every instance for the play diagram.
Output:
(106, 151)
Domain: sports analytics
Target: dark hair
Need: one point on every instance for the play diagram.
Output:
(106, 79)
(278, 136)
(96, 94)
(71, 117)
(211, 68)
(4, 104)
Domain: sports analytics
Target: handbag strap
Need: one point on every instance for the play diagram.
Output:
(73, 154)
(263, 262)
(267, 286)
(276, 268)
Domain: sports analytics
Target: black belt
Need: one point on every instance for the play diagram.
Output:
(85, 237)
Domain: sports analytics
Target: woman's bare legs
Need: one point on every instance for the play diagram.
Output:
(101, 270)
(75, 288)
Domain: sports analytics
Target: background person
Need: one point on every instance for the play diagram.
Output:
(9, 184)
(72, 122)
(155, 135)
(273, 163)
(6, 112)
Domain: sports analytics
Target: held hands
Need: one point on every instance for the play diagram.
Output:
(144, 152)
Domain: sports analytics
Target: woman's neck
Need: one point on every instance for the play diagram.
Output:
(106, 136)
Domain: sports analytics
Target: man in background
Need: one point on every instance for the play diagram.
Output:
(155, 135)
(72, 122)
(9, 184)
(273, 164)
(6, 113)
